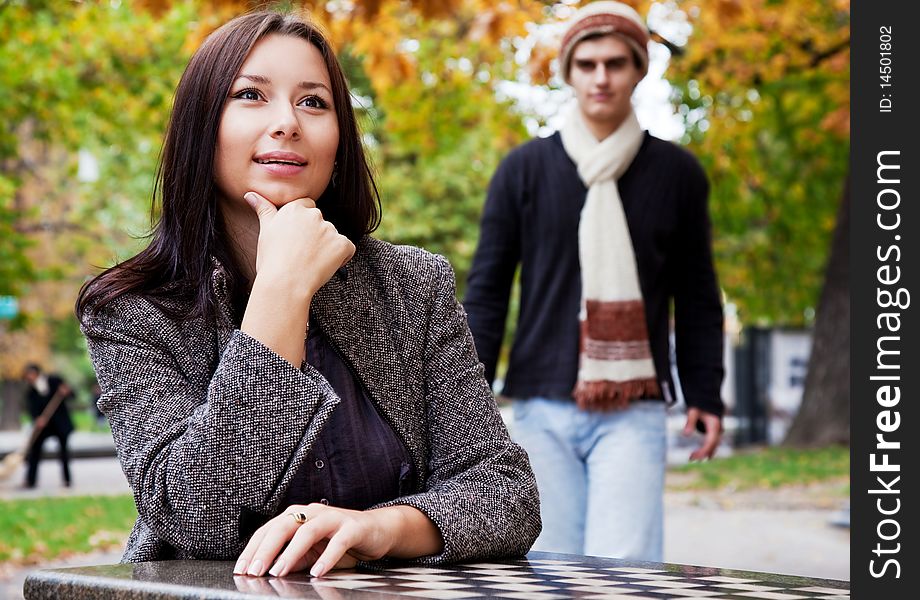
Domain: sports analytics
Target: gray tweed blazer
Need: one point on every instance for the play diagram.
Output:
(210, 425)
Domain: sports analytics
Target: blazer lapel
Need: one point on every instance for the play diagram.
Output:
(349, 310)
(225, 325)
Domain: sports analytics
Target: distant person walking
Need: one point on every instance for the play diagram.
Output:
(610, 227)
(46, 398)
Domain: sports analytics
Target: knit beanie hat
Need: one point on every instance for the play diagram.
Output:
(602, 18)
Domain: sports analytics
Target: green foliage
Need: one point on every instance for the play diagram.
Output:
(436, 139)
(770, 468)
(80, 79)
(435, 202)
(39, 529)
(99, 79)
(84, 419)
(763, 89)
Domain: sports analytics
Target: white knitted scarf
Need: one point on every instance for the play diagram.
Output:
(615, 361)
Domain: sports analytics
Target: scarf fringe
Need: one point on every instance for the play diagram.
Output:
(613, 395)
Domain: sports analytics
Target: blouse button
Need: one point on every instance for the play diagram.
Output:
(324, 501)
(319, 464)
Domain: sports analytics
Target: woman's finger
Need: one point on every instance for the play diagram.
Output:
(242, 563)
(303, 541)
(348, 251)
(306, 561)
(306, 202)
(281, 531)
(262, 207)
(338, 545)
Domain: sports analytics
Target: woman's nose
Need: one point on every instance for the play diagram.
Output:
(286, 124)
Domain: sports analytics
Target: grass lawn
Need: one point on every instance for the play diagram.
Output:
(769, 468)
(84, 419)
(40, 529)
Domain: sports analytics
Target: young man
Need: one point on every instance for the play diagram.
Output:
(610, 225)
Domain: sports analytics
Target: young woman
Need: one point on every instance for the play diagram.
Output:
(284, 390)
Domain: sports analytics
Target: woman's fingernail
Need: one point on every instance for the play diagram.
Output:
(317, 569)
(251, 198)
(256, 567)
(277, 567)
(240, 567)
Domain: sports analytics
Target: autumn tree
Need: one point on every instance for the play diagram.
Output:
(762, 86)
(87, 90)
(764, 89)
(97, 93)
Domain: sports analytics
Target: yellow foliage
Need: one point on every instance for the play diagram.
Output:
(728, 11)
(838, 122)
(158, 7)
(541, 57)
(772, 78)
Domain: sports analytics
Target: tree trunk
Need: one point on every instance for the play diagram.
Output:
(824, 415)
(10, 404)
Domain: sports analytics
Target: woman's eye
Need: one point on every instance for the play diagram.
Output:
(247, 94)
(314, 102)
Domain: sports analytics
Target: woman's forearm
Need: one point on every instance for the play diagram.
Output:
(277, 315)
(412, 532)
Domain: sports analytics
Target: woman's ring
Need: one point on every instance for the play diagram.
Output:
(299, 517)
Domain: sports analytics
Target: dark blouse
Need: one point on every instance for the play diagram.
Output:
(358, 460)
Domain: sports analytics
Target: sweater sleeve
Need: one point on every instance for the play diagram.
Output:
(698, 320)
(480, 492)
(496, 259)
(200, 451)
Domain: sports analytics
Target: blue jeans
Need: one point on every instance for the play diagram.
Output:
(600, 475)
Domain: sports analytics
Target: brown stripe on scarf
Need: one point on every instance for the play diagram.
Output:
(616, 321)
(614, 330)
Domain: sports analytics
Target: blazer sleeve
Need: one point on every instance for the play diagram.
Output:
(480, 491)
(488, 287)
(200, 450)
(698, 319)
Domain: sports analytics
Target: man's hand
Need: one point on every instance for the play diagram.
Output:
(713, 426)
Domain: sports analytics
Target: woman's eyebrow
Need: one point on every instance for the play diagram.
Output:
(307, 85)
(312, 85)
(256, 79)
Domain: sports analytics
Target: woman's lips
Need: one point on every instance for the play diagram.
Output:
(279, 169)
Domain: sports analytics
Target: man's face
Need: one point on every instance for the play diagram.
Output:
(603, 74)
(30, 376)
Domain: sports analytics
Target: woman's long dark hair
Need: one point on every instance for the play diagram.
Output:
(189, 230)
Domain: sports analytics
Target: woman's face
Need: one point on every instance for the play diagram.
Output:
(278, 134)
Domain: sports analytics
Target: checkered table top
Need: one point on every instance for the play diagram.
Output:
(539, 576)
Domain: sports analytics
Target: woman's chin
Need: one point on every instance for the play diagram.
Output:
(279, 196)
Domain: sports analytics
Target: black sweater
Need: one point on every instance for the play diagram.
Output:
(531, 217)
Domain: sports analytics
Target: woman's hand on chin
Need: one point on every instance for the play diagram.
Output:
(297, 246)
